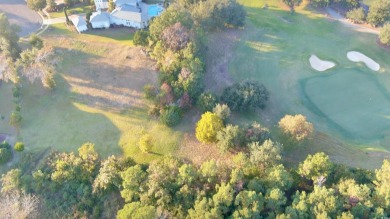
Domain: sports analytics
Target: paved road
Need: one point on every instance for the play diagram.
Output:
(17, 12)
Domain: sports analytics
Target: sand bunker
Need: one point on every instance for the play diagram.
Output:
(320, 65)
(359, 57)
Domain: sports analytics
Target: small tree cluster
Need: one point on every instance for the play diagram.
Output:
(36, 5)
(357, 15)
(379, 13)
(246, 95)
(141, 38)
(207, 102)
(5, 152)
(296, 127)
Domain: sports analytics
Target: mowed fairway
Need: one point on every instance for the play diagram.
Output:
(274, 48)
(352, 100)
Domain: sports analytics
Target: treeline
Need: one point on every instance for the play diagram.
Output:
(175, 40)
(255, 185)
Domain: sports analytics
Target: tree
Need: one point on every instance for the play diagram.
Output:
(109, 174)
(245, 95)
(274, 200)
(323, 202)
(229, 137)
(111, 5)
(296, 126)
(136, 210)
(141, 38)
(51, 5)
(207, 101)
(357, 15)
(320, 3)
(223, 111)
(355, 197)
(10, 182)
(278, 177)
(382, 185)
(266, 155)
(292, 3)
(176, 37)
(36, 41)
(379, 12)
(16, 119)
(19, 146)
(19, 205)
(8, 38)
(146, 143)
(39, 64)
(384, 35)
(133, 184)
(315, 167)
(36, 5)
(248, 204)
(171, 116)
(207, 127)
(223, 198)
(257, 133)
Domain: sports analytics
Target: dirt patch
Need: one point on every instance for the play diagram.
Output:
(198, 153)
(106, 75)
(220, 53)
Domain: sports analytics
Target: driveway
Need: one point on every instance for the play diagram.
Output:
(18, 13)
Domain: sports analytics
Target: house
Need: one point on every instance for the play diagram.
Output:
(100, 19)
(80, 23)
(130, 16)
(101, 4)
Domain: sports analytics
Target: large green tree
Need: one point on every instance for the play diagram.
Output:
(36, 5)
(207, 127)
(379, 12)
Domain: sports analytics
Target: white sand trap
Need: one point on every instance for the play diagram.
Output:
(359, 57)
(320, 65)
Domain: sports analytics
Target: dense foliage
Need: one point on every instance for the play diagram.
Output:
(207, 127)
(255, 185)
(246, 95)
(379, 12)
(296, 126)
(5, 152)
(357, 15)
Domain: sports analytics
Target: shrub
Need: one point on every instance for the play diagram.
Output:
(296, 126)
(19, 146)
(36, 41)
(154, 111)
(171, 116)
(145, 143)
(5, 152)
(206, 102)
(16, 91)
(223, 111)
(229, 137)
(15, 119)
(384, 35)
(208, 127)
(150, 92)
(356, 15)
(141, 38)
(245, 96)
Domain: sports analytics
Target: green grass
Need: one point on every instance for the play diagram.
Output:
(7, 105)
(77, 9)
(360, 110)
(114, 35)
(274, 49)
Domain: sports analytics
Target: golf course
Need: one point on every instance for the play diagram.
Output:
(349, 102)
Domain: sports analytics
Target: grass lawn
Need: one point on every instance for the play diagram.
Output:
(77, 9)
(7, 106)
(274, 49)
(98, 98)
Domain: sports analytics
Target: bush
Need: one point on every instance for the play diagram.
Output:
(141, 38)
(36, 41)
(296, 126)
(5, 152)
(171, 116)
(208, 127)
(16, 91)
(245, 96)
(384, 35)
(206, 102)
(19, 146)
(357, 15)
(229, 137)
(150, 92)
(15, 119)
(145, 143)
(223, 111)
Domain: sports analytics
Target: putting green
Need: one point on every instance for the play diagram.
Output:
(352, 100)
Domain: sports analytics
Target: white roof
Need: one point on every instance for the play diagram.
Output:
(131, 13)
(99, 17)
(78, 21)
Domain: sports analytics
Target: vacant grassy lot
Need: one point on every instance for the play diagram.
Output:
(274, 49)
(98, 98)
(77, 9)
